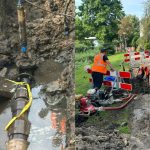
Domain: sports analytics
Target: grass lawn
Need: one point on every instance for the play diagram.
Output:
(86, 58)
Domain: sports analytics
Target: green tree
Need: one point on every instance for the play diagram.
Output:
(129, 31)
(81, 32)
(145, 27)
(99, 18)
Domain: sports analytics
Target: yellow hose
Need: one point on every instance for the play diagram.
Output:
(27, 106)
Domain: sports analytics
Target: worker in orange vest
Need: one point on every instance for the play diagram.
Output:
(99, 68)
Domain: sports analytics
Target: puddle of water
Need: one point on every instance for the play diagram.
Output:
(48, 123)
(5, 116)
(48, 126)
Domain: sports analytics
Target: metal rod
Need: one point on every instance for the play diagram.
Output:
(22, 26)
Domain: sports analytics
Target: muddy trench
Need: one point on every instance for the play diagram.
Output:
(47, 116)
(48, 113)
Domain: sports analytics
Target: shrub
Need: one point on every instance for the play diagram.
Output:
(147, 46)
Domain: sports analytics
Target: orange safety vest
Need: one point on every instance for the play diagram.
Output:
(99, 64)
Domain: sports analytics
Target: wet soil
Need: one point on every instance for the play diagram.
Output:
(101, 131)
(48, 71)
(94, 138)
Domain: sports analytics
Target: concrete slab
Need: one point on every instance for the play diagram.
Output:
(7, 88)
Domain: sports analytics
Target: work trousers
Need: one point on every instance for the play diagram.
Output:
(97, 79)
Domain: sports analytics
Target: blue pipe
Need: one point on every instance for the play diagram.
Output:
(23, 49)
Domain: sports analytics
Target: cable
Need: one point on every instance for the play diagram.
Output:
(64, 14)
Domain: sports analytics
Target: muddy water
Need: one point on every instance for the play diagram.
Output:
(48, 130)
(47, 124)
(5, 116)
(48, 121)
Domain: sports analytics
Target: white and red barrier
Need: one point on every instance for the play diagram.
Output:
(121, 85)
(138, 61)
(139, 57)
(117, 83)
(121, 74)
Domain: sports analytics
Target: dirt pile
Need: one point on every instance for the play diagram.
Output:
(93, 138)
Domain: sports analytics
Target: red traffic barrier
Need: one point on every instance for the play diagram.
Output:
(125, 86)
(124, 74)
